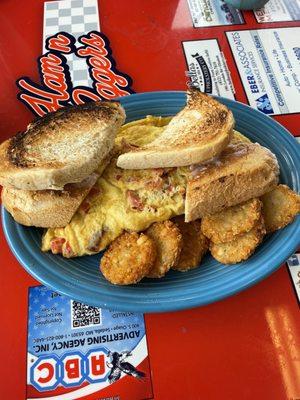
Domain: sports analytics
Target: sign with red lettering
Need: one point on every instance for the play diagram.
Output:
(78, 351)
(56, 89)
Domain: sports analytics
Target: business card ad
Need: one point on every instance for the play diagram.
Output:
(76, 351)
(294, 267)
(207, 68)
(213, 13)
(279, 10)
(268, 61)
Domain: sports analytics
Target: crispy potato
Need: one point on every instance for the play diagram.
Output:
(128, 259)
(224, 226)
(195, 244)
(240, 248)
(168, 241)
(280, 206)
(238, 137)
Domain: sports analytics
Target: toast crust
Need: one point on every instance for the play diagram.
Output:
(62, 147)
(197, 133)
(46, 208)
(243, 171)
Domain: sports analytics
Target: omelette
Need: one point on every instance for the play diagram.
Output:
(121, 199)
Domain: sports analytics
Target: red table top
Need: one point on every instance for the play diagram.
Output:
(244, 347)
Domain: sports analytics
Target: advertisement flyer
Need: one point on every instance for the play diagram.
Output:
(294, 268)
(279, 10)
(78, 351)
(213, 13)
(207, 68)
(268, 61)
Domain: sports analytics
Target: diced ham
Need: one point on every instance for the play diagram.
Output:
(158, 171)
(134, 200)
(159, 178)
(94, 241)
(157, 183)
(68, 251)
(170, 188)
(84, 207)
(128, 146)
(56, 245)
(94, 191)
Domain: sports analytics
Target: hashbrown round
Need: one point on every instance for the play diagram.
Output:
(241, 248)
(280, 206)
(224, 226)
(168, 240)
(195, 244)
(128, 259)
(238, 137)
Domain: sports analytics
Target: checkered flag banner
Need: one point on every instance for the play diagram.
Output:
(76, 17)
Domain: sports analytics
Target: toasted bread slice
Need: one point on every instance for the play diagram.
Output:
(243, 171)
(63, 147)
(197, 133)
(47, 208)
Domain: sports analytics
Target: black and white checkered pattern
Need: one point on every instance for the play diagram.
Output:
(76, 17)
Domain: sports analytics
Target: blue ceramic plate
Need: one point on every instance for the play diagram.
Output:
(80, 277)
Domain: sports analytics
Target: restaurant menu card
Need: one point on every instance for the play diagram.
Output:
(207, 68)
(268, 62)
(213, 13)
(77, 351)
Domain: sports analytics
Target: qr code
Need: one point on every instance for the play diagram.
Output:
(83, 315)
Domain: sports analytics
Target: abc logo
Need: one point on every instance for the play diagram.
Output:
(71, 369)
